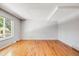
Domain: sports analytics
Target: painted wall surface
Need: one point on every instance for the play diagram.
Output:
(39, 31)
(69, 32)
(16, 36)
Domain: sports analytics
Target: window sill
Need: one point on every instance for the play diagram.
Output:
(1, 39)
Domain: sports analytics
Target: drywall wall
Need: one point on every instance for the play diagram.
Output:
(16, 36)
(69, 32)
(38, 31)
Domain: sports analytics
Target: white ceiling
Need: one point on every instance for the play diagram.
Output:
(64, 14)
(42, 12)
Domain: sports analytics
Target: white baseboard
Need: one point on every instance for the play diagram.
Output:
(7, 44)
(39, 39)
(77, 48)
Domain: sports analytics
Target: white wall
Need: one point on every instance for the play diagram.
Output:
(6, 42)
(39, 31)
(69, 32)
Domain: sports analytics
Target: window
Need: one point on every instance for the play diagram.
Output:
(6, 27)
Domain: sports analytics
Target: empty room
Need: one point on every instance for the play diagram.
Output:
(39, 29)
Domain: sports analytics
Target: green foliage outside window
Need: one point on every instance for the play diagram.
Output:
(6, 28)
(1, 21)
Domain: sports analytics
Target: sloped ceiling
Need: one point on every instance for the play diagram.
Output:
(42, 13)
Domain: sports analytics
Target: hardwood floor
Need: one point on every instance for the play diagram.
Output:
(39, 48)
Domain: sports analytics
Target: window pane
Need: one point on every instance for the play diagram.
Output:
(7, 27)
(1, 27)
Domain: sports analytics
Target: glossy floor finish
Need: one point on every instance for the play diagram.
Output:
(39, 48)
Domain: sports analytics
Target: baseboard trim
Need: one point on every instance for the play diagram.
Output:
(39, 39)
(4, 47)
(69, 46)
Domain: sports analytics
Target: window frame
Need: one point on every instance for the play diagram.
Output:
(12, 29)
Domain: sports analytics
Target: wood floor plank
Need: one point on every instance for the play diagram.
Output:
(39, 48)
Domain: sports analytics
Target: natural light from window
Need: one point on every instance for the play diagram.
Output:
(6, 27)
